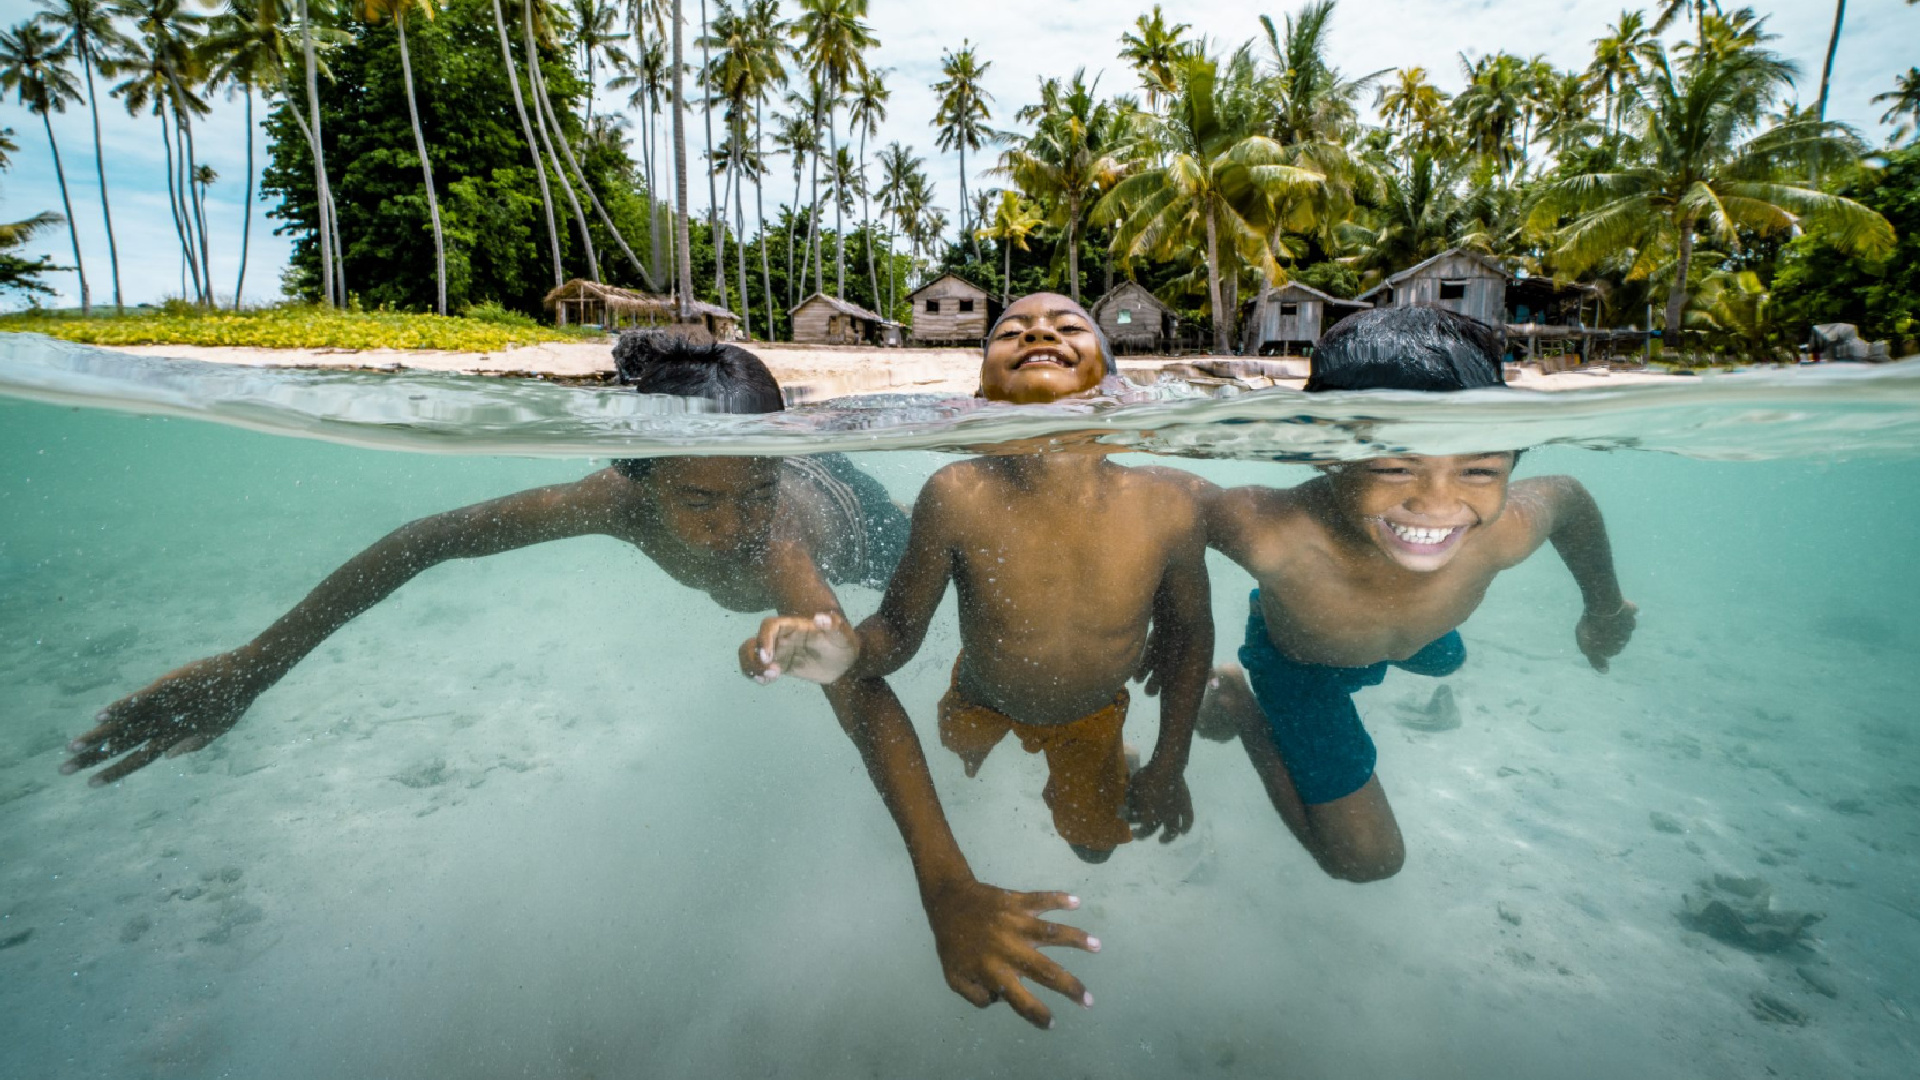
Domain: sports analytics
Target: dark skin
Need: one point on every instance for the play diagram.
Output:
(1061, 562)
(1370, 563)
(729, 527)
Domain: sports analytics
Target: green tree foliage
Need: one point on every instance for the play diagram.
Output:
(490, 200)
(1820, 281)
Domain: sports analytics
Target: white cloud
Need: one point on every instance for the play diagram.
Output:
(1024, 39)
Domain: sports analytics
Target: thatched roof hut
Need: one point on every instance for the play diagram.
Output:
(588, 303)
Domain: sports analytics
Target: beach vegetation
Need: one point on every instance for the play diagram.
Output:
(486, 328)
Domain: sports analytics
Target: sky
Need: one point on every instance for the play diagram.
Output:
(1024, 41)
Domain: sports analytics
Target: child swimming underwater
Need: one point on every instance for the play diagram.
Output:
(1061, 561)
(1375, 564)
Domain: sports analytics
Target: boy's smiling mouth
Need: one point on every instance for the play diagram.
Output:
(1045, 355)
(1421, 539)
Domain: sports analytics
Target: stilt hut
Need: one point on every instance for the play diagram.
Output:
(822, 320)
(1459, 280)
(1135, 320)
(951, 310)
(588, 303)
(1288, 321)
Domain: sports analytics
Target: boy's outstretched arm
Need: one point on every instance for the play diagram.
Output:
(1579, 534)
(189, 707)
(1157, 796)
(988, 938)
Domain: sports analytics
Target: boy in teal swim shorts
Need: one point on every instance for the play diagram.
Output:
(1374, 564)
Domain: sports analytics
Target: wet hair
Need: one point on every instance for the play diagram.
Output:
(1406, 348)
(662, 362)
(1099, 335)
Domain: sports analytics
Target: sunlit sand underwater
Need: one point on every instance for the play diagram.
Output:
(525, 818)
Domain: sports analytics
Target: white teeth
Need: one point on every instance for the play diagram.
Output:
(1419, 536)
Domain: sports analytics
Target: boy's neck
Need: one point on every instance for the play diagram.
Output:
(1052, 468)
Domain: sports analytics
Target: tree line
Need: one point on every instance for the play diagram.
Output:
(436, 154)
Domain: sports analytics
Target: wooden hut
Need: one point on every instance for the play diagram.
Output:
(1135, 320)
(951, 310)
(822, 320)
(1459, 280)
(1289, 320)
(588, 303)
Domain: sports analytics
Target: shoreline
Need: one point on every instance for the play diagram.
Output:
(820, 372)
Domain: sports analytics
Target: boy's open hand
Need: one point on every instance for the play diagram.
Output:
(1601, 637)
(182, 711)
(989, 939)
(1157, 799)
(818, 648)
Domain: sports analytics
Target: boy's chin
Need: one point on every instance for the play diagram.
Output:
(1038, 387)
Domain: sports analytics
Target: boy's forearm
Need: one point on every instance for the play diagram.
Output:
(1580, 538)
(873, 717)
(883, 648)
(1182, 687)
(359, 584)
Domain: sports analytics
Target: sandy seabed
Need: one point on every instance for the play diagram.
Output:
(524, 818)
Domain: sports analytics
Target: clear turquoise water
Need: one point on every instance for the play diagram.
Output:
(525, 818)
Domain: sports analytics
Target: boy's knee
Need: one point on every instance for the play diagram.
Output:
(1361, 868)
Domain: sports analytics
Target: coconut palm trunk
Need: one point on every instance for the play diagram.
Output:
(683, 265)
(533, 147)
(866, 220)
(73, 228)
(544, 100)
(197, 192)
(1833, 44)
(246, 212)
(100, 169)
(1677, 295)
(760, 216)
(321, 195)
(540, 125)
(740, 244)
(839, 220)
(182, 207)
(716, 224)
(426, 167)
(813, 217)
(1222, 318)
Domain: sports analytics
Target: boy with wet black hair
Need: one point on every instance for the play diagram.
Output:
(662, 362)
(1375, 564)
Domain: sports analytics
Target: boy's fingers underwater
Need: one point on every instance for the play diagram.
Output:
(1046, 973)
(132, 763)
(1019, 998)
(1037, 902)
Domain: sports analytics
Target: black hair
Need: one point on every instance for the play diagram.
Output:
(663, 362)
(1406, 348)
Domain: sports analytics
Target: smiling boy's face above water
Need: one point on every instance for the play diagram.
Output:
(1419, 511)
(1043, 349)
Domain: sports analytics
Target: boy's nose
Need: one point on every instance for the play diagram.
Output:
(1041, 333)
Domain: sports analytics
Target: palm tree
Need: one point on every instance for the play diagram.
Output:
(332, 262)
(1219, 183)
(962, 116)
(794, 136)
(716, 223)
(1493, 109)
(1408, 100)
(645, 75)
(595, 35)
(833, 47)
(751, 44)
(1698, 168)
(865, 112)
(897, 166)
(1013, 221)
(152, 85)
(32, 65)
(1069, 160)
(397, 10)
(1418, 214)
(1152, 53)
(247, 46)
(1902, 100)
(1617, 57)
(90, 35)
